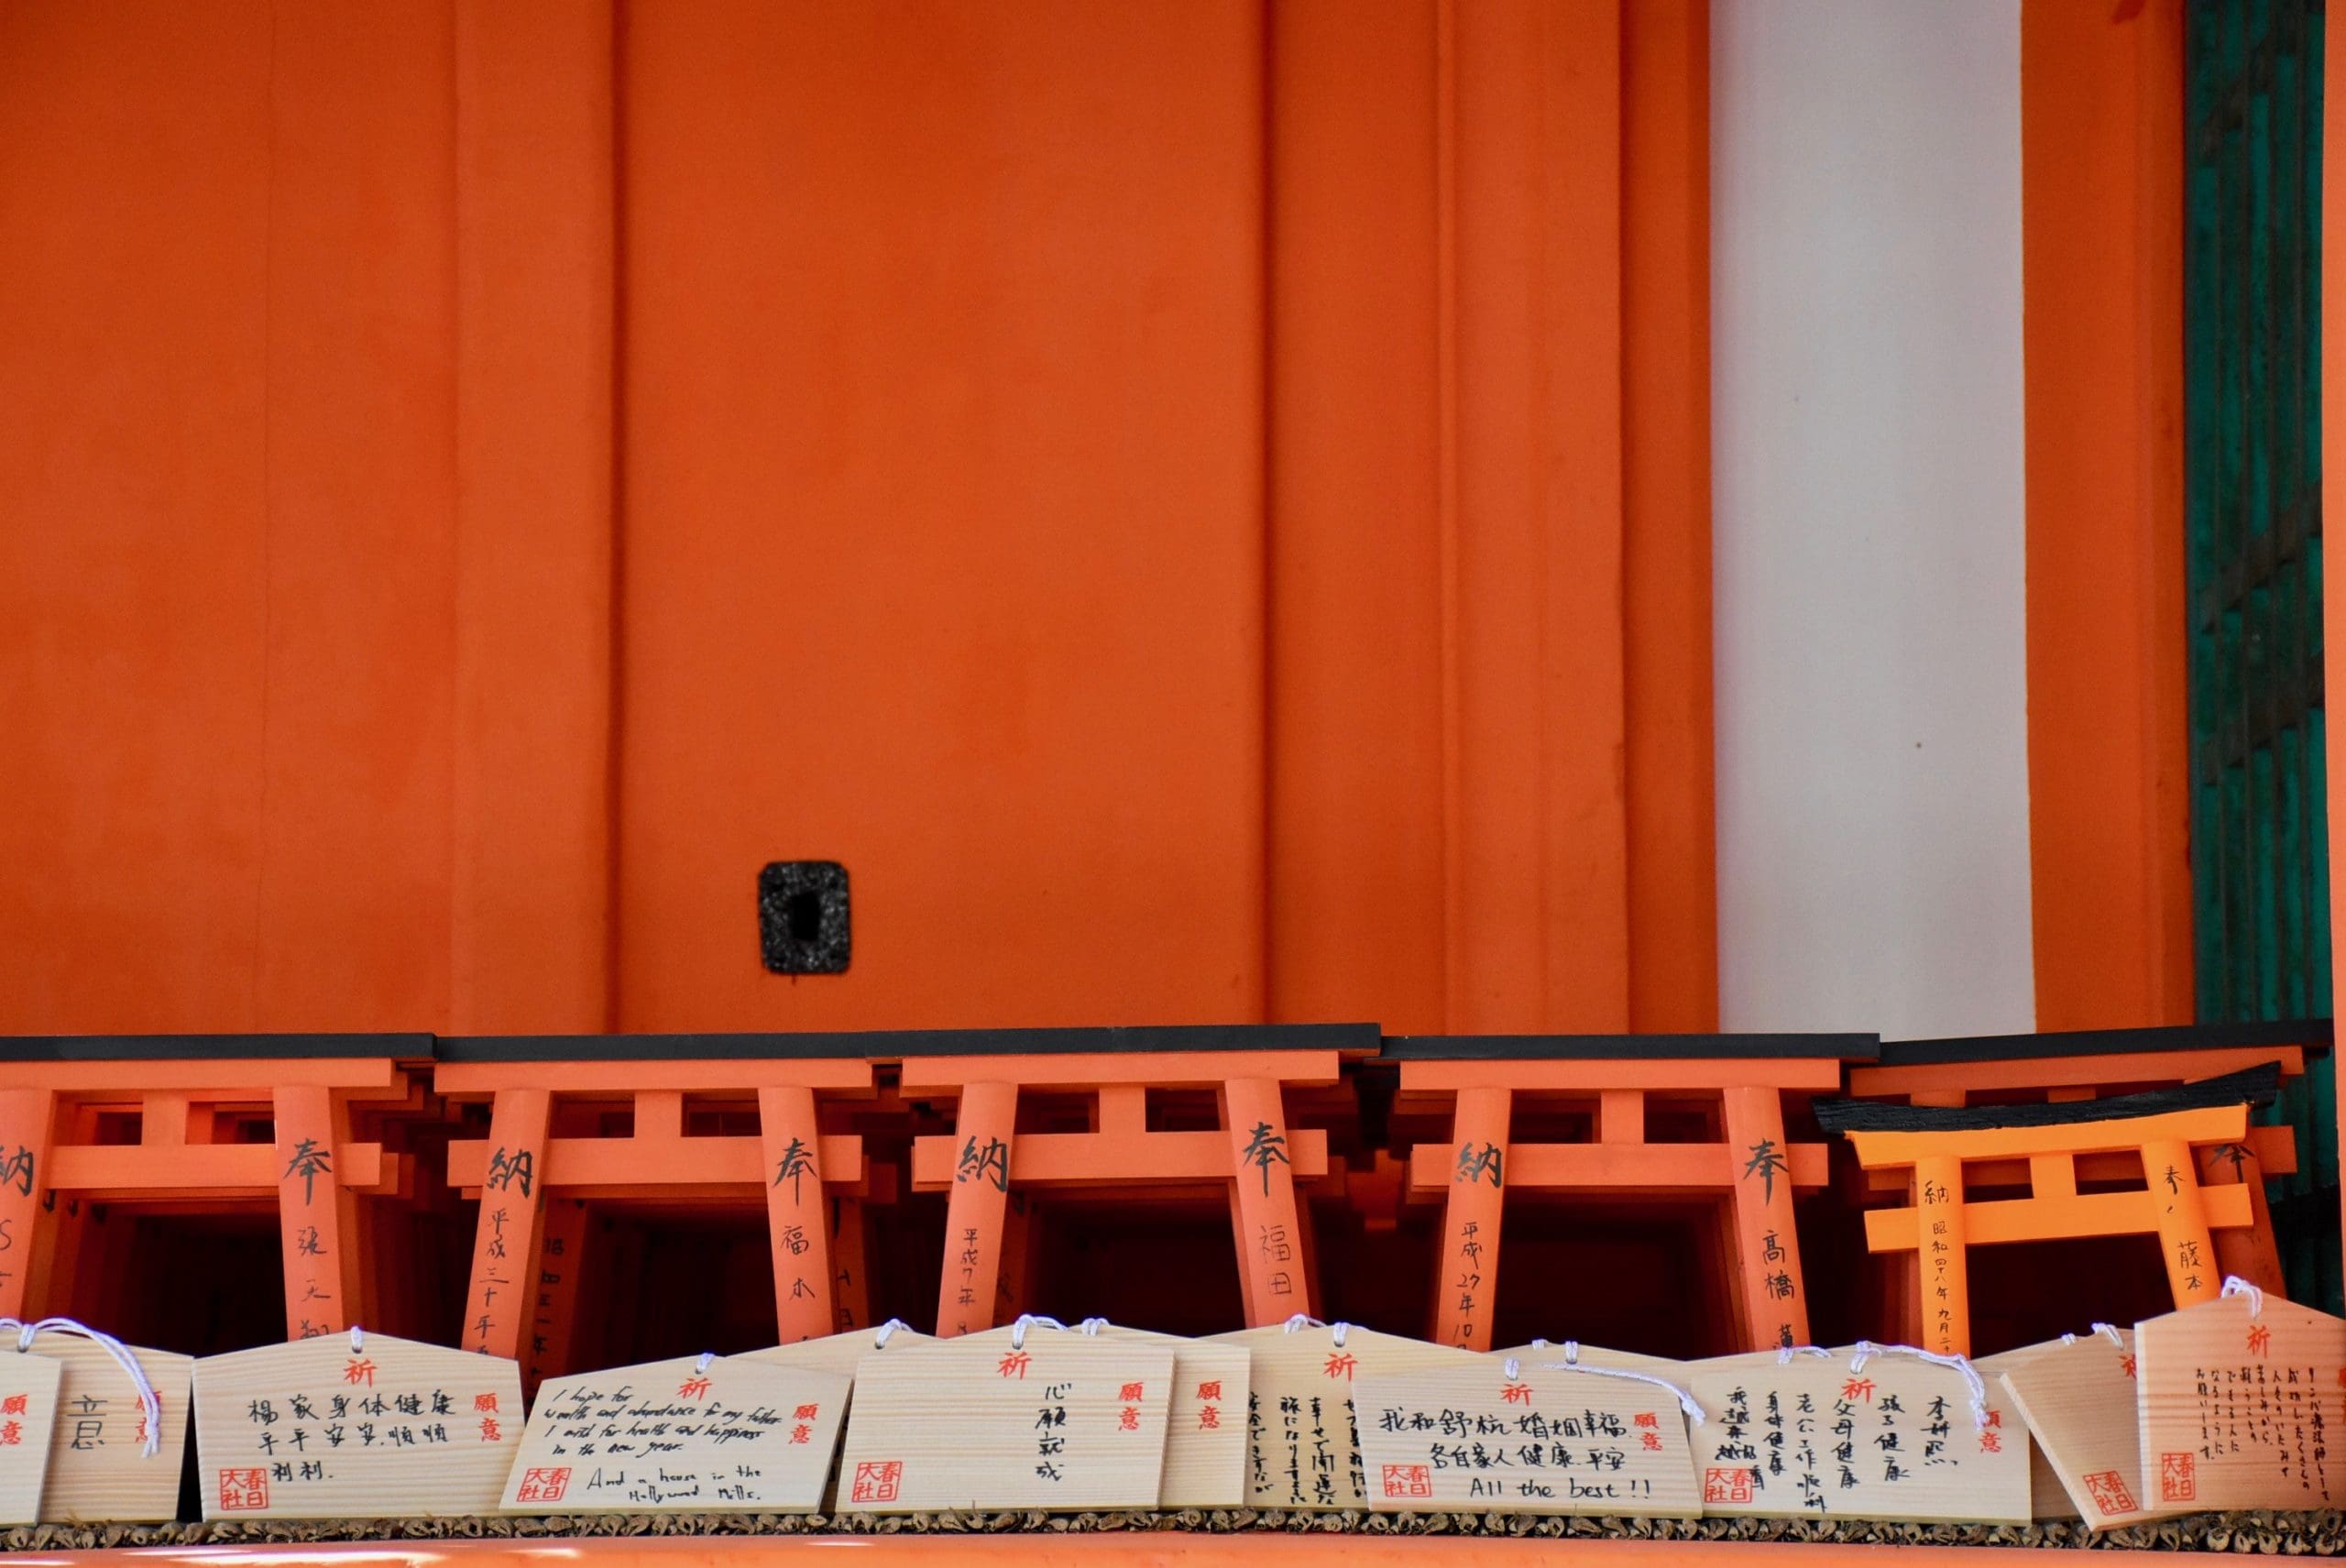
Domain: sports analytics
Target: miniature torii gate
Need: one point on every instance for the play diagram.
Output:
(2160, 1130)
(2077, 1065)
(1754, 1168)
(1255, 1156)
(187, 1092)
(791, 1163)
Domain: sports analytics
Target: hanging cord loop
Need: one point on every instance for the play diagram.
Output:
(1972, 1383)
(149, 1403)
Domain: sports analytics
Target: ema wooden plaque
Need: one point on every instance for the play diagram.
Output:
(1818, 1436)
(321, 1429)
(1303, 1437)
(2080, 1401)
(28, 1391)
(99, 1469)
(1205, 1428)
(2240, 1404)
(1061, 1421)
(697, 1434)
(1548, 1440)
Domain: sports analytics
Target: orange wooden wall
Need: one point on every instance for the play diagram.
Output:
(1203, 509)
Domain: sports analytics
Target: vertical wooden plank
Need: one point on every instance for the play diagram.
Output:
(1466, 1287)
(1539, 905)
(319, 1273)
(498, 1298)
(1356, 655)
(2184, 1241)
(27, 1119)
(1666, 514)
(1767, 1243)
(356, 568)
(536, 312)
(2102, 143)
(986, 1130)
(1263, 1181)
(553, 1316)
(796, 1215)
(1945, 1268)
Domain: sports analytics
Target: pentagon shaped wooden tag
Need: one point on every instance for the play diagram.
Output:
(1546, 1439)
(2240, 1399)
(1060, 1420)
(1822, 1436)
(99, 1468)
(695, 1435)
(345, 1426)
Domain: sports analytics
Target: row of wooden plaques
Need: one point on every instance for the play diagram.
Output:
(2228, 1404)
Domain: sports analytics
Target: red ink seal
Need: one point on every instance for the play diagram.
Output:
(876, 1481)
(1727, 1485)
(2178, 1482)
(1407, 1481)
(241, 1491)
(543, 1485)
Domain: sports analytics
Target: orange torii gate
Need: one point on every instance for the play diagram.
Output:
(2077, 1065)
(2158, 1132)
(1738, 1080)
(211, 1120)
(1254, 1156)
(548, 1095)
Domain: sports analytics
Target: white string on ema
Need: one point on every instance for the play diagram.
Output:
(1306, 1321)
(1026, 1320)
(1972, 1383)
(1685, 1400)
(149, 1403)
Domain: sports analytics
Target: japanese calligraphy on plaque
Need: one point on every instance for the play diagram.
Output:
(1057, 1420)
(1205, 1426)
(28, 1390)
(341, 1426)
(1544, 1441)
(98, 1464)
(1821, 1436)
(2239, 1399)
(1303, 1437)
(695, 1435)
(2079, 1401)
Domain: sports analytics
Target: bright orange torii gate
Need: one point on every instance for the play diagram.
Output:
(1752, 1166)
(2155, 1132)
(220, 1120)
(2085, 1064)
(531, 1082)
(1254, 1156)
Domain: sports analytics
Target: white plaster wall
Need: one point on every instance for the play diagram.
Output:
(1866, 352)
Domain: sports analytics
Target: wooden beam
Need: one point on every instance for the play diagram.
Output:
(2032, 1220)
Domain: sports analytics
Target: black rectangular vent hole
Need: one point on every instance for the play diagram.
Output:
(803, 917)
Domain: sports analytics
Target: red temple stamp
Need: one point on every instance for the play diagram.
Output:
(2178, 1480)
(242, 1490)
(1728, 1484)
(2109, 1492)
(876, 1480)
(543, 1485)
(1407, 1481)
